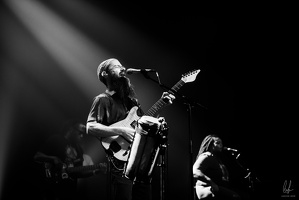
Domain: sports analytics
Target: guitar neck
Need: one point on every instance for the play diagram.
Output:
(161, 103)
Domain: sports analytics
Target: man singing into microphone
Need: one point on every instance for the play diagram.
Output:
(109, 108)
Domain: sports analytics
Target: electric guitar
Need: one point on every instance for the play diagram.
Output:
(54, 174)
(117, 145)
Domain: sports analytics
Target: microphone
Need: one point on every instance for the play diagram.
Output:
(230, 149)
(133, 71)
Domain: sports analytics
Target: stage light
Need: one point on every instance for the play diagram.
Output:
(71, 49)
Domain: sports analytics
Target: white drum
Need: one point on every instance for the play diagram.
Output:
(145, 149)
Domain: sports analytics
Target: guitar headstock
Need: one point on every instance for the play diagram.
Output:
(190, 76)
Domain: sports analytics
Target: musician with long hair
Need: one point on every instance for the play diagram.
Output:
(108, 108)
(210, 172)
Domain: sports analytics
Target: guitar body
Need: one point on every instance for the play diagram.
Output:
(117, 145)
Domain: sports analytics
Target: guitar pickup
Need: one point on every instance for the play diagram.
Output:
(133, 124)
(115, 147)
(126, 152)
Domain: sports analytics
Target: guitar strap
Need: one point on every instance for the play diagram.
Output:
(117, 165)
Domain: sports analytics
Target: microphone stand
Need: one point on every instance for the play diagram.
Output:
(252, 179)
(190, 103)
(163, 167)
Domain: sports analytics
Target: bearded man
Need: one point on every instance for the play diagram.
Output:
(108, 108)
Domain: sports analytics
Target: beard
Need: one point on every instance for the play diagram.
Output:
(123, 87)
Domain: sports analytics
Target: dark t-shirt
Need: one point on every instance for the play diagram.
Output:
(108, 109)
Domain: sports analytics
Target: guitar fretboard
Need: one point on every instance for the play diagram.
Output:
(161, 103)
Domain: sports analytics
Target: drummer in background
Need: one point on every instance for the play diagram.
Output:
(110, 107)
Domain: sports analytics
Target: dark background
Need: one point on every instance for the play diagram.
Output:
(246, 86)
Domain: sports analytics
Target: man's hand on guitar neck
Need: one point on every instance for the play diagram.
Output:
(167, 97)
